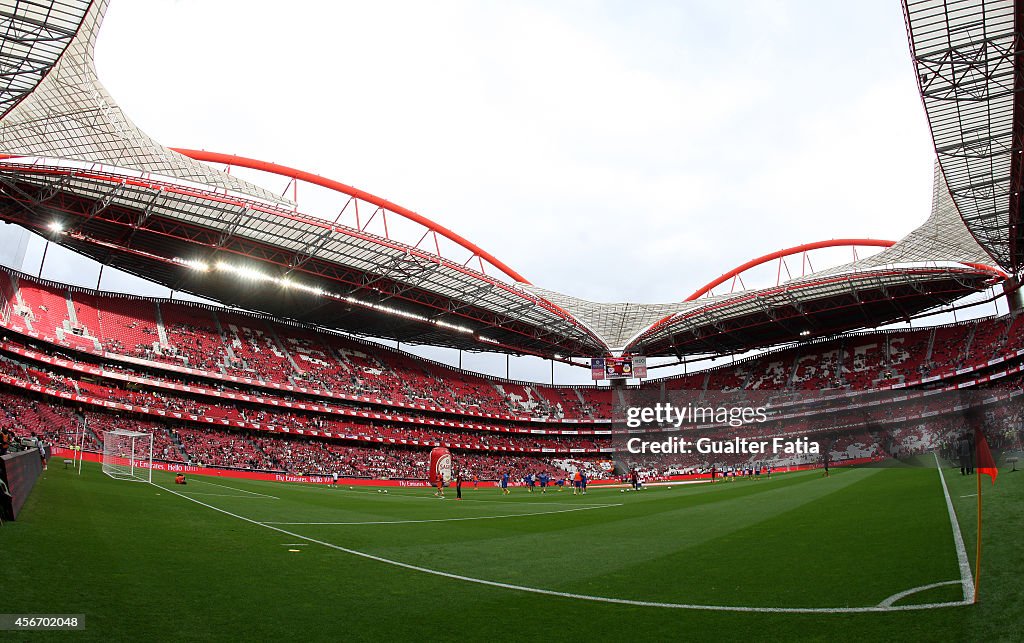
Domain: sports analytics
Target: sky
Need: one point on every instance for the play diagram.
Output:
(674, 140)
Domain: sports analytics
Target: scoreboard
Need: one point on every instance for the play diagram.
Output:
(618, 368)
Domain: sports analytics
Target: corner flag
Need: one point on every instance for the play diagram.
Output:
(985, 464)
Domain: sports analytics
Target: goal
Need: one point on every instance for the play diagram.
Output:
(128, 455)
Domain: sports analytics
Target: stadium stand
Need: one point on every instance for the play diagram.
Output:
(251, 347)
(189, 372)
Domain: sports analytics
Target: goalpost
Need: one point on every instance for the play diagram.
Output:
(83, 427)
(128, 455)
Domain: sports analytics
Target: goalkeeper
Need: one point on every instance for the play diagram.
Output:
(180, 479)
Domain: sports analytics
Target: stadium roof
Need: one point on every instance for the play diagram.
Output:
(936, 263)
(77, 170)
(35, 36)
(971, 81)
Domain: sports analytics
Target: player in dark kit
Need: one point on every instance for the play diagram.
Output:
(458, 486)
(963, 446)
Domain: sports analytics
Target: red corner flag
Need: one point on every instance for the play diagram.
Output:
(984, 462)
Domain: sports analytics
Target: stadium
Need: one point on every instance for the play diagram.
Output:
(280, 426)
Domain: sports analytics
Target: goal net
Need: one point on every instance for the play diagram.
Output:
(128, 455)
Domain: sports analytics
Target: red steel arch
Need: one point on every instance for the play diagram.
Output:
(805, 247)
(337, 186)
(779, 254)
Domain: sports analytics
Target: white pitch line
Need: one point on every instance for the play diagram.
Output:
(914, 590)
(219, 495)
(584, 597)
(506, 502)
(493, 502)
(524, 502)
(402, 492)
(235, 488)
(409, 522)
(966, 580)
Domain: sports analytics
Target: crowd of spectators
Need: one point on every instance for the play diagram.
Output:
(227, 343)
(254, 348)
(67, 426)
(212, 409)
(859, 362)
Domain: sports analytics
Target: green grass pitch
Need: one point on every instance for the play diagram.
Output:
(144, 563)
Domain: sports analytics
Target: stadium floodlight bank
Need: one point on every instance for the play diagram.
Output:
(128, 455)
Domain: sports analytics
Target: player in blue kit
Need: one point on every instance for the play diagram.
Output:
(504, 483)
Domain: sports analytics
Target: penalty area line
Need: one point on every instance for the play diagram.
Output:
(584, 597)
(224, 486)
(500, 500)
(410, 522)
(221, 495)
